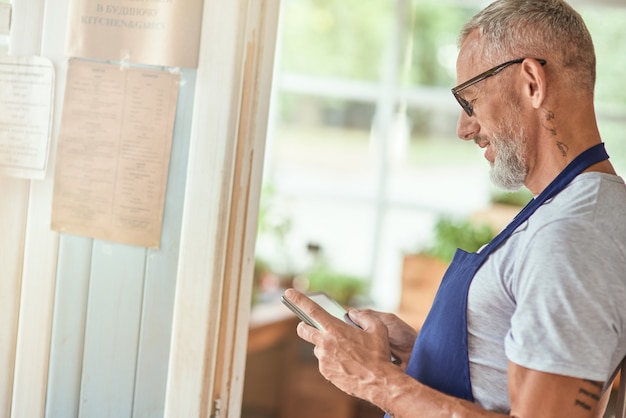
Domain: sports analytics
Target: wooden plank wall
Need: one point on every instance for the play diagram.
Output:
(30, 252)
(13, 206)
(113, 310)
(86, 323)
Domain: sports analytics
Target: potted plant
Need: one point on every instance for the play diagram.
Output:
(422, 271)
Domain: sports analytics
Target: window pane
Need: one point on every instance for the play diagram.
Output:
(362, 153)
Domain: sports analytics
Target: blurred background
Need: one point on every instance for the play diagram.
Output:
(367, 191)
(362, 159)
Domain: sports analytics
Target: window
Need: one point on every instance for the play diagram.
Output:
(362, 155)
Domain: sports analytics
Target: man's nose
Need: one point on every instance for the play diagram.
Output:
(467, 128)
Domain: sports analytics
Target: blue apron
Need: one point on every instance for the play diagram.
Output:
(440, 355)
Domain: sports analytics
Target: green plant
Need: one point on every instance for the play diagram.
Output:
(274, 226)
(343, 287)
(518, 198)
(451, 234)
(270, 221)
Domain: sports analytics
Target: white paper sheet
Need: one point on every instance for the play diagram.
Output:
(114, 151)
(26, 98)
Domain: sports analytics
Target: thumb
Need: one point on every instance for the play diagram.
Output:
(363, 319)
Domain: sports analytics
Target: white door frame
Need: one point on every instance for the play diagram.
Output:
(214, 283)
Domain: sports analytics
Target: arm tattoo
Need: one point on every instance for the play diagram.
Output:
(598, 385)
(563, 148)
(589, 393)
(582, 405)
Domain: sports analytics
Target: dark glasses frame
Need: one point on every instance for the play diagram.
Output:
(467, 106)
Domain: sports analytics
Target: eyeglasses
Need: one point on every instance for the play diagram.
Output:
(467, 106)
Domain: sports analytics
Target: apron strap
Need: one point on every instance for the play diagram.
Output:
(587, 158)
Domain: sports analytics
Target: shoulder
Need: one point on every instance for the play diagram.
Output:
(595, 196)
(589, 211)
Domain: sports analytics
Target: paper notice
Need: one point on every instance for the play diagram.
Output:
(114, 151)
(155, 32)
(26, 95)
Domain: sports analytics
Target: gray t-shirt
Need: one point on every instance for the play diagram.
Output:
(553, 297)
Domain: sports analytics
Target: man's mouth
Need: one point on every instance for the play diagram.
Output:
(485, 144)
(482, 142)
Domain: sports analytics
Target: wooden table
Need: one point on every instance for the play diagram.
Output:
(282, 378)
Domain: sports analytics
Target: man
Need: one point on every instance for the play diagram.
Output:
(534, 325)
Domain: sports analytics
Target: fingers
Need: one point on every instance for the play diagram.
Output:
(308, 333)
(385, 317)
(301, 300)
(366, 319)
(292, 294)
(312, 309)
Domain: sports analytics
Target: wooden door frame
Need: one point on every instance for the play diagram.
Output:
(214, 283)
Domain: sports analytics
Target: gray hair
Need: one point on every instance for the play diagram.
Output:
(548, 29)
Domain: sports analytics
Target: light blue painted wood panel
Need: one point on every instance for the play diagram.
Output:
(112, 330)
(160, 284)
(68, 327)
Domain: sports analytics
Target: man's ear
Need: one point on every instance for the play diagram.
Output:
(534, 78)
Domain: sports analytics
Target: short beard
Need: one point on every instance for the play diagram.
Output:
(509, 170)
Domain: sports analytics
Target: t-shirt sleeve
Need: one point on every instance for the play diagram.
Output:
(567, 319)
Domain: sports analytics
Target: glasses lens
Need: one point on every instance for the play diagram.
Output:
(467, 107)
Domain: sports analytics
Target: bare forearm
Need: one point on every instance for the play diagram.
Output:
(403, 397)
(543, 395)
